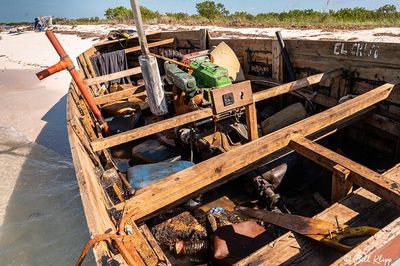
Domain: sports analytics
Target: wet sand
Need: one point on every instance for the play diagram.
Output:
(41, 214)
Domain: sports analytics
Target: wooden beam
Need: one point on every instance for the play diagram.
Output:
(179, 187)
(359, 174)
(251, 121)
(112, 76)
(151, 45)
(353, 210)
(117, 96)
(341, 186)
(205, 113)
(151, 129)
(295, 85)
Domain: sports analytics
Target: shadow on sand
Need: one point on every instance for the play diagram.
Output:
(44, 223)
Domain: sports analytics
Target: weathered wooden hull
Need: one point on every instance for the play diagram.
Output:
(366, 67)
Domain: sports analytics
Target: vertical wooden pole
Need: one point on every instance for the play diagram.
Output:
(251, 121)
(341, 186)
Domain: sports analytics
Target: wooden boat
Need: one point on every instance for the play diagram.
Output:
(363, 180)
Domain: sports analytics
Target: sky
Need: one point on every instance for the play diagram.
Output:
(27, 10)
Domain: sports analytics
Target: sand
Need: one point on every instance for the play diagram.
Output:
(370, 35)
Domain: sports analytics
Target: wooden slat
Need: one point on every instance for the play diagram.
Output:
(116, 96)
(112, 76)
(251, 121)
(359, 174)
(151, 45)
(350, 210)
(151, 129)
(205, 113)
(185, 184)
(295, 85)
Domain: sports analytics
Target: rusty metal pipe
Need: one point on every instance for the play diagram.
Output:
(66, 63)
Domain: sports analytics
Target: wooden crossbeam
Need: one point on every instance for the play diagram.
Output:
(150, 129)
(205, 113)
(203, 176)
(359, 174)
(150, 45)
(112, 76)
(116, 96)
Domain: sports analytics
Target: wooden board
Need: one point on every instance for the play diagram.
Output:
(150, 45)
(112, 76)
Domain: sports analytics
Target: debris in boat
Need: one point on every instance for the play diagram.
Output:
(152, 151)
(119, 108)
(141, 176)
(223, 202)
(181, 227)
(218, 217)
(290, 115)
(328, 233)
(112, 183)
(234, 242)
(193, 247)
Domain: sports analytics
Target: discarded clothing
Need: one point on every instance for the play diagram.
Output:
(108, 63)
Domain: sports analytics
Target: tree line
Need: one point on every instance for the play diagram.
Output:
(217, 13)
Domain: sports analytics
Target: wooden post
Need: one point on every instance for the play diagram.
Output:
(341, 186)
(203, 39)
(277, 62)
(251, 121)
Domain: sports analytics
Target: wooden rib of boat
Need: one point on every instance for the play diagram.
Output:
(353, 90)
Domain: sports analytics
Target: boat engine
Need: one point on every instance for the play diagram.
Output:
(191, 90)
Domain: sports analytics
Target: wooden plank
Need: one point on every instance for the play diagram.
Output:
(383, 248)
(205, 113)
(359, 174)
(153, 243)
(251, 121)
(112, 76)
(352, 211)
(116, 96)
(341, 186)
(143, 247)
(201, 177)
(295, 85)
(151, 45)
(277, 62)
(151, 129)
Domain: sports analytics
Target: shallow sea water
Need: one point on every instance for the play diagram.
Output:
(41, 214)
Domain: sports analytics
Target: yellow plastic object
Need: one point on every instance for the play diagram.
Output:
(334, 239)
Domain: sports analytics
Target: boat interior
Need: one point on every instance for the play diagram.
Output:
(313, 132)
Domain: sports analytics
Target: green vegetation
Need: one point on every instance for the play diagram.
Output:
(210, 12)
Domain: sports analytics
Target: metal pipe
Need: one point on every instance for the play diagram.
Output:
(286, 58)
(139, 27)
(66, 63)
(149, 66)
